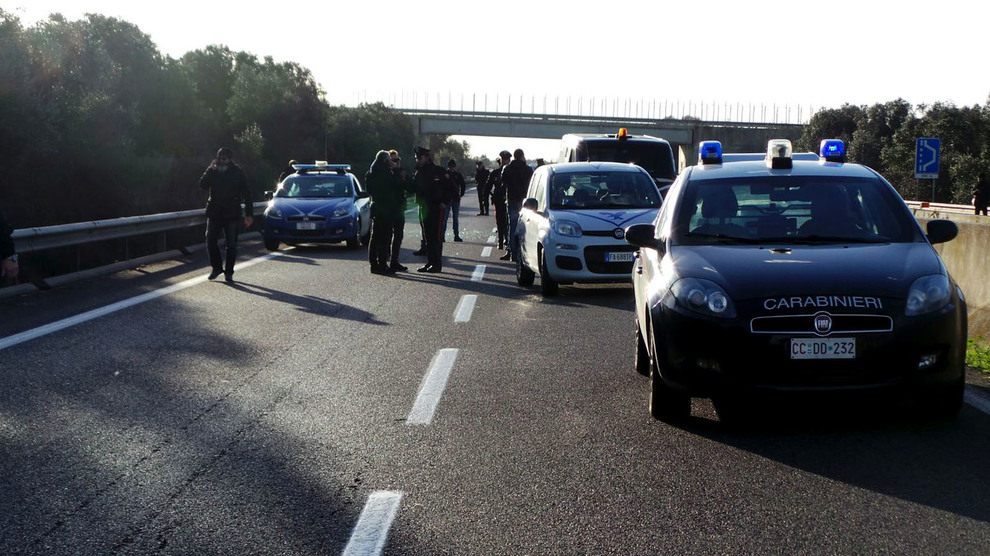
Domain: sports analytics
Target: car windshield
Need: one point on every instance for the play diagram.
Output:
(654, 157)
(315, 187)
(603, 189)
(791, 209)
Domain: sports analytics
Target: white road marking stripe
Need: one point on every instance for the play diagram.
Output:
(432, 388)
(487, 251)
(114, 307)
(479, 273)
(976, 400)
(371, 531)
(491, 239)
(465, 308)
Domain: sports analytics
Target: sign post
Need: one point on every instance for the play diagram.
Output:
(926, 159)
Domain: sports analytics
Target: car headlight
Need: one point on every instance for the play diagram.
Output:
(927, 294)
(341, 211)
(567, 228)
(703, 296)
(273, 212)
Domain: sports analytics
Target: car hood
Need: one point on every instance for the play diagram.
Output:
(749, 272)
(301, 206)
(606, 219)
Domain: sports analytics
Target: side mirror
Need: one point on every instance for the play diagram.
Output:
(269, 195)
(642, 235)
(363, 194)
(940, 231)
(531, 204)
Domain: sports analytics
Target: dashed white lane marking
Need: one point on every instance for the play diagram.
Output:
(114, 307)
(487, 251)
(433, 384)
(465, 308)
(976, 400)
(491, 239)
(479, 273)
(371, 531)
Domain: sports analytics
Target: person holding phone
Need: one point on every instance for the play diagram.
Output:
(228, 189)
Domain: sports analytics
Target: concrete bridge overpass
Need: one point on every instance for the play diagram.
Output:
(683, 134)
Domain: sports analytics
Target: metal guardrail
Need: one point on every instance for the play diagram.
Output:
(29, 240)
(936, 208)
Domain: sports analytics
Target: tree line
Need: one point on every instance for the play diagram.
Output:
(96, 123)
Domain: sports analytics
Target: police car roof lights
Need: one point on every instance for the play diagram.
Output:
(780, 154)
(321, 166)
(832, 150)
(710, 152)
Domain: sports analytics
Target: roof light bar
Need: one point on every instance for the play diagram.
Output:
(780, 154)
(832, 150)
(709, 152)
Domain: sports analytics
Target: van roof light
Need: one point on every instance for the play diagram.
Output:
(709, 152)
(780, 155)
(623, 133)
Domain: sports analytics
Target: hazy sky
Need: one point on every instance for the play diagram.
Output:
(795, 54)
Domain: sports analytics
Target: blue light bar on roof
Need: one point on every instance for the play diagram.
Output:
(321, 165)
(709, 152)
(832, 150)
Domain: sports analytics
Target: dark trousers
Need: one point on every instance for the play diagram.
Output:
(501, 224)
(229, 228)
(379, 244)
(433, 233)
(482, 200)
(398, 230)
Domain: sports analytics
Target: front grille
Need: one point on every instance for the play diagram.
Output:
(805, 324)
(600, 233)
(594, 257)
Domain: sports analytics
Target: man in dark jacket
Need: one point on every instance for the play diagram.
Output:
(981, 194)
(515, 177)
(481, 177)
(384, 207)
(436, 192)
(497, 189)
(455, 206)
(8, 255)
(228, 189)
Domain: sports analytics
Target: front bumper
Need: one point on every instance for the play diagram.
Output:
(586, 259)
(333, 230)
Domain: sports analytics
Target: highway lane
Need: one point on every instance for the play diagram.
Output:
(261, 418)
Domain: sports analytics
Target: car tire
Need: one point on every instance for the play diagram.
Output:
(271, 244)
(548, 286)
(643, 364)
(667, 404)
(366, 238)
(355, 242)
(524, 276)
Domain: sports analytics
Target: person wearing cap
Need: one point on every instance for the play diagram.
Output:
(436, 191)
(8, 255)
(455, 206)
(287, 171)
(498, 201)
(228, 189)
(515, 178)
(481, 177)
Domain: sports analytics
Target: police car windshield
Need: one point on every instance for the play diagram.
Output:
(596, 190)
(319, 186)
(792, 209)
(654, 157)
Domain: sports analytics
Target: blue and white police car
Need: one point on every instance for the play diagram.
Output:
(571, 226)
(319, 203)
(784, 273)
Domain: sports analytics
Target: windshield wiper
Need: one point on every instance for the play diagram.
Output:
(817, 238)
(726, 239)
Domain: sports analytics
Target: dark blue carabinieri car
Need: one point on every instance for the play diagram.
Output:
(319, 203)
(793, 273)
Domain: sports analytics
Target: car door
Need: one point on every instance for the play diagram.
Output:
(363, 206)
(532, 221)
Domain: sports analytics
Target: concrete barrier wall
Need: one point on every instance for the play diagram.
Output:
(968, 260)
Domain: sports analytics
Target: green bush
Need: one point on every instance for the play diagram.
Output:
(978, 355)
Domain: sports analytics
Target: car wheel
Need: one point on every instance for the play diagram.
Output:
(366, 238)
(944, 401)
(271, 244)
(355, 242)
(667, 404)
(548, 286)
(642, 354)
(524, 276)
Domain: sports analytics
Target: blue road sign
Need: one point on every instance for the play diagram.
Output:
(926, 158)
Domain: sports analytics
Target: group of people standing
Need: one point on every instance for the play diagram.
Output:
(506, 187)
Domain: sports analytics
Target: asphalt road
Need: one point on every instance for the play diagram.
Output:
(315, 408)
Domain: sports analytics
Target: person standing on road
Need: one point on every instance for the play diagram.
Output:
(455, 206)
(981, 195)
(379, 180)
(498, 202)
(228, 189)
(515, 178)
(437, 192)
(481, 177)
(398, 189)
(8, 255)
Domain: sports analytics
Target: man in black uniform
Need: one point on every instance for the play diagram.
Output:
(497, 190)
(436, 191)
(455, 206)
(481, 176)
(515, 179)
(8, 255)
(228, 189)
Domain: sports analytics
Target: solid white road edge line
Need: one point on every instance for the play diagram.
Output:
(487, 251)
(433, 384)
(465, 308)
(979, 401)
(479, 273)
(371, 531)
(56, 326)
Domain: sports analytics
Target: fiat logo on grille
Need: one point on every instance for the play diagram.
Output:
(619, 233)
(823, 323)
